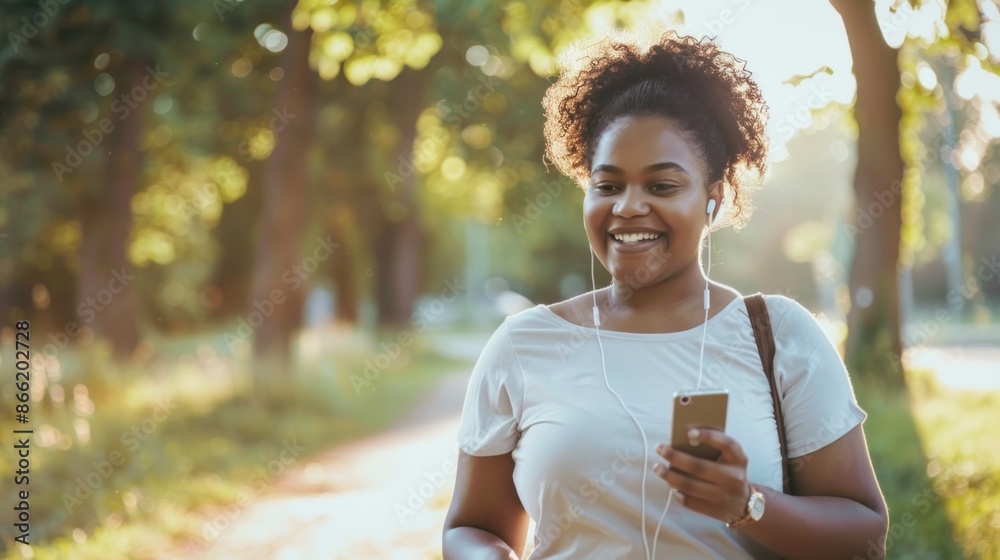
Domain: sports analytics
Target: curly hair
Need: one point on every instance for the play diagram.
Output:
(705, 90)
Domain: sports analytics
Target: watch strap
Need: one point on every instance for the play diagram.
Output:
(747, 515)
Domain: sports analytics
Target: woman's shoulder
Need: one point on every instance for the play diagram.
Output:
(533, 317)
(575, 309)
(789, 316)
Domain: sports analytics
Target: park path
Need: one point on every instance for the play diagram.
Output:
(346, 503)
(383, 497)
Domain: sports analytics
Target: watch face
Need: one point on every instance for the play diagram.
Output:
(756, 506)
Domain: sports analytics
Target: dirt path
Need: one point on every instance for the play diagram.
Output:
(384, 497)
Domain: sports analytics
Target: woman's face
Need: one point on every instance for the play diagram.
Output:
(646, 179)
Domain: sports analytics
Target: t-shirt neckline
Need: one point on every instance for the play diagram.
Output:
(694, 331)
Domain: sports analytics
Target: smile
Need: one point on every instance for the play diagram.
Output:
(633, 238)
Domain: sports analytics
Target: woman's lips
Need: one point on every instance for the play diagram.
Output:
(636, 247)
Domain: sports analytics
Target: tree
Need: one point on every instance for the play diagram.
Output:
(282, 225)
(106, 219)
(873, 319)
(64, 47)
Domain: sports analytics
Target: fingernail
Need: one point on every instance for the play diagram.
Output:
(660, 449)
(693, 433)
(658, 468)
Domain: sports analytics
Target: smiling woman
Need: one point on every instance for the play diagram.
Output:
(715, 104)
(664, 139)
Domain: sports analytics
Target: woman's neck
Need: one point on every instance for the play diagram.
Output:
(676, 303)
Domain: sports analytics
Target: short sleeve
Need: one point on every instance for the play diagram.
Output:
(492, 407)
(818, 401)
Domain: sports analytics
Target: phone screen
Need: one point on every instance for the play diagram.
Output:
(705, 408)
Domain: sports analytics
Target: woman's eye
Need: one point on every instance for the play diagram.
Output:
(604, 187)
(664, 186)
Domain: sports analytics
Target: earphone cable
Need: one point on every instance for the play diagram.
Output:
(645, 443)
(701, 362)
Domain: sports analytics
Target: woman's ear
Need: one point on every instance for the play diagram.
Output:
(715, 193)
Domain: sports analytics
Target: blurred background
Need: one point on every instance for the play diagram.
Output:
(259, 244)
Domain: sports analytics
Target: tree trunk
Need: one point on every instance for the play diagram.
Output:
(277, 290)
(404, 235)
(344, 272)
(873, 320)
(232, 271)
(105, 296)
(355, 220)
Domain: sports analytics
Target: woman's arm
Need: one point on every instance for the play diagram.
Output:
(837, 509)
(486, 519)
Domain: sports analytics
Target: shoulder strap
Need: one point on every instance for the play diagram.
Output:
(761, 322)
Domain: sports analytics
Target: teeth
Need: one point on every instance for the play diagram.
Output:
(636, 237)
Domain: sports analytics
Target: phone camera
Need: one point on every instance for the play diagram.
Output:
(685, 400)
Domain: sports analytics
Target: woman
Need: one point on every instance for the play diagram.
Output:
(654, 136)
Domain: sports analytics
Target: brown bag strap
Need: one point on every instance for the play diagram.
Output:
(761, 322)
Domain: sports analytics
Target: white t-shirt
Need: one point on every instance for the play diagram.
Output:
(538, 390)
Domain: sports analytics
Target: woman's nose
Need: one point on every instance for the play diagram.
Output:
(631, 202)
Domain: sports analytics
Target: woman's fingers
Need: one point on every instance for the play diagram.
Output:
(731, 450)
(690, 486)
(703, 469)
(714, 488)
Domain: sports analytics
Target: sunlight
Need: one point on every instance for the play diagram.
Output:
(751, 31)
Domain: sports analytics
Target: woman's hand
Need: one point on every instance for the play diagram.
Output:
(718, 489)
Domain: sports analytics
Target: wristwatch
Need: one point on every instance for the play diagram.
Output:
(755, 510)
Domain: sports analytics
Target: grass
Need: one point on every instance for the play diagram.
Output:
(962, 443)
(128, 460)
(936, 452)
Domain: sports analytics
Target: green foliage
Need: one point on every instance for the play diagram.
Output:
(936, 459)
(477, 154)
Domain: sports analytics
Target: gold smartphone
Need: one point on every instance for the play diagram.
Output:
(705, 408)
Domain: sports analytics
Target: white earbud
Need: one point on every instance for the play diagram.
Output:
(711, 207)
